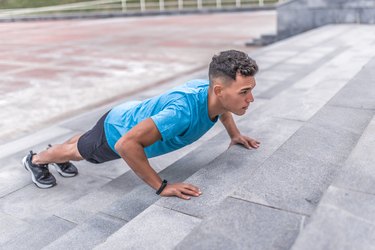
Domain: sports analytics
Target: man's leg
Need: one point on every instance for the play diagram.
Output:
(60, 156)
(59, 153)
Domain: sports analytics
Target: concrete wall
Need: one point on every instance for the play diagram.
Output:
(297, 16)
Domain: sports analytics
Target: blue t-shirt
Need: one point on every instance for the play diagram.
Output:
(181, 116)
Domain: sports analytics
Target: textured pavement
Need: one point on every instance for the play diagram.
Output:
(52, 70)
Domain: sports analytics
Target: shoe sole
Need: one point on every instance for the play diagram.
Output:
(61, 172)
(38, 184)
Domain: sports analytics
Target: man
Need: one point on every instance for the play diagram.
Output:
(136, 131)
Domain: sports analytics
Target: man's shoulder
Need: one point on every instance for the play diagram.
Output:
(190, 88)
(197, 84)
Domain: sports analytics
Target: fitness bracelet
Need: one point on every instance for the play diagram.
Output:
(163, 185)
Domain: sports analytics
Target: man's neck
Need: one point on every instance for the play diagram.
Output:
(214, 106)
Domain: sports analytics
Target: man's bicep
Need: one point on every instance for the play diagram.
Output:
(172, 121)
(146, 133)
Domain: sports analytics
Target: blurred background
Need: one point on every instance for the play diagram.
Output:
(114, 6)
(54, 69)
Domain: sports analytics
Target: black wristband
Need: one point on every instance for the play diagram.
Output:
(163, 185)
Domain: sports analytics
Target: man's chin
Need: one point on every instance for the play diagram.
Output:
(240, 112)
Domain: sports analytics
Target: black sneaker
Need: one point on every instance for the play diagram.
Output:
(66, 169)
(40, 174)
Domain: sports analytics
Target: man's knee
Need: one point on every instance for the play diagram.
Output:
(74, 152)
(73, 140)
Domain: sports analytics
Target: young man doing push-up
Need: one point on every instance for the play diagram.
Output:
(136, 131)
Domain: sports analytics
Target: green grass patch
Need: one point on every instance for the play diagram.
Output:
(15, 4)
(132, 5)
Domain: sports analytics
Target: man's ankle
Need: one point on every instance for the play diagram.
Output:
(35, 159)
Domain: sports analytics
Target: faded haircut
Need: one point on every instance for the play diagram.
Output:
(228, 63)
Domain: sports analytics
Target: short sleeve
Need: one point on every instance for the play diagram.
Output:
(173, 120)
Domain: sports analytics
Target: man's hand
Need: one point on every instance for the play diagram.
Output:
(247, 142)
(181, 190)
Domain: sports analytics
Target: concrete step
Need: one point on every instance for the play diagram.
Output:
(39, 235)
(24, 207)
(83, 211)
(120, 197)
(23, 204)
(125, 203)
(125, 191)
(163, 235)
(219, 178)
(273, 73)
(344, 219)
(307, 65)
(129, 205)
(284, 192)
(88, 234)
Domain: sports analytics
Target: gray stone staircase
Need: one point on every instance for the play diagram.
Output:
(346, 212)
(314, 102)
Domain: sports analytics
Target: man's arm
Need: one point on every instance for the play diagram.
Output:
(131, 149)
(234, 133)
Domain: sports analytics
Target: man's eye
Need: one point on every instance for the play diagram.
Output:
(243, 92)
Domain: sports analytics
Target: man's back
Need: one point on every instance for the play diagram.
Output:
(181, 116)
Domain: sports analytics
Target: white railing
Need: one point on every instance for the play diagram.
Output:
(136, 6)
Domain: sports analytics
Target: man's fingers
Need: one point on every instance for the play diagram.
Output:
(182, 196)
(246, 144)
(184, 190)
(254, 144)
(192, 187)
(189, 192)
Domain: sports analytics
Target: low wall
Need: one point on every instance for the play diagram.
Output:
(297, 16)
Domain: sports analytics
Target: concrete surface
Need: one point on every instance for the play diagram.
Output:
(163, 228)
(297, 16)
(265, 228)
(340, 223)
(348, 202)
(291, 178)
(311, 131)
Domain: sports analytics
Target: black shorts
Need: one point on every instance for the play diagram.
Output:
(93, 145)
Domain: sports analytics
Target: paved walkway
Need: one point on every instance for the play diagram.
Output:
(309, 186)
(52, 70)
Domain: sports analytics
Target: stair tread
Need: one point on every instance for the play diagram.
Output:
(343, 220)
(295, 177)
(311, 119)
(358, 172)
(88, 234)
(38, 235)
(264, 227)
(171, 228)
(348, 203)
(317, 145)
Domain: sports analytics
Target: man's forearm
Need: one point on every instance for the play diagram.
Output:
(229, 124)
(133, 154)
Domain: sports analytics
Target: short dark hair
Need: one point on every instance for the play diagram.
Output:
(228, 63)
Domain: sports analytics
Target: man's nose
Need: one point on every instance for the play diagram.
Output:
(250, 98)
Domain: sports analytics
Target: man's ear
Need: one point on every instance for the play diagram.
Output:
(218, 89)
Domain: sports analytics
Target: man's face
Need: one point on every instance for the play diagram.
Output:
(236, 97)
